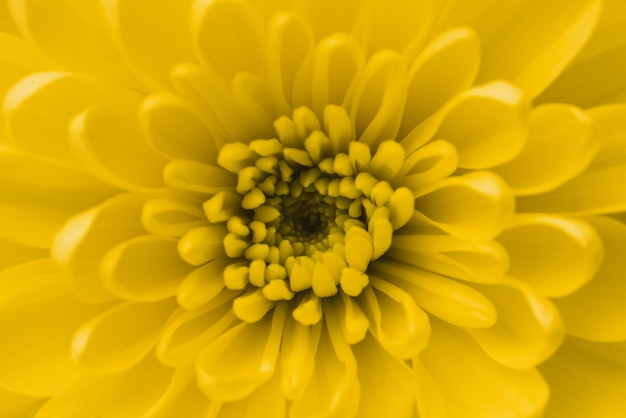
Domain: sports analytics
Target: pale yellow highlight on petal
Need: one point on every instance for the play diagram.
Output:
(351, 319)
(474, 385)
(39, 196)
(242, 359)
(443, 69)
(228, 36)
(480, 262)
(597, 311)
(379, 93)
(475, 206)
(334, 388)
(529, 328)
(119, 338)
(599, 189)
(197, 177)
(38, 315)
(171, 217)
(112, 145)
(188, 332)
(75, 38)
(203, 244)
(174, 128)
(289, 40)
(593, 372)
(18, 58)
(129, 270)
(560, 146)
(309, 310)
(452, 301)
(387, 387)
(203, 284)
(487, 125)
(163, 41)
(297, 357)
(396, 321)
(82, 242)
(430, 163)
(53, 99)
(336, 62)
(554, 256)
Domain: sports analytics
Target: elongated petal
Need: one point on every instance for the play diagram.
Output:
(475, 206)
(559, 146)
(84, 240)
(74, 38)
(120, 337)
(334, 390)
(381, 376)
(229, 36)
(53, 99)
(108, 394)
(297, 359)
(596, 311)
(594, 372)
(599, 188)
(175, 129)
(476, 386)
(38, 316)
(445, 68)
(163, 41)
(114, 148)
(528, 43)
(171, 217)
(241, 360)
(40, 196)
(128, 269)
(187, 333)
(529, 328)
(555, 256)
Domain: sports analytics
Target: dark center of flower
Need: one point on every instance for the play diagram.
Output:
(312, 209)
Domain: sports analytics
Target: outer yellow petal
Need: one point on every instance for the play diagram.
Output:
(525, 42)
(38, 315)
(597, 310)
(586, 379)
(555, 256)
(38, 196)
(75, 38)
(163, 41)
(474, 385)
(121, 337)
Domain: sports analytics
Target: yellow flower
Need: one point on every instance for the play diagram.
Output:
(312, 208)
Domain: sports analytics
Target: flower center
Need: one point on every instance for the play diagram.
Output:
(312, 209)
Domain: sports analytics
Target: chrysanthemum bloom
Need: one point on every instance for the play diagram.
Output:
(229, 208)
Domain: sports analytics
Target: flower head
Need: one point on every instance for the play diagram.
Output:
(233, 208)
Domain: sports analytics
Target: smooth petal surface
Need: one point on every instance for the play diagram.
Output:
(560, 145)
(475, 206)
(119, 338)
(529, 328)
(242, 359)
(84, 240)
(593, 372)
(163, 41)
(38, 315)
(40, 196)
(554, 256)
(596, 312)
(475, 385)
